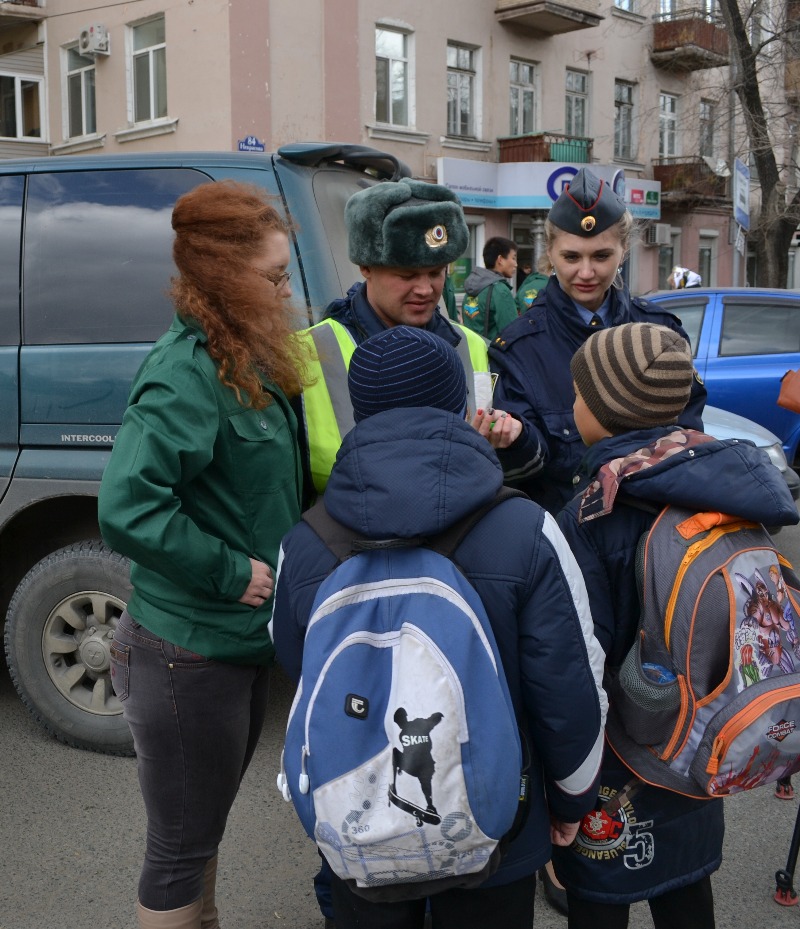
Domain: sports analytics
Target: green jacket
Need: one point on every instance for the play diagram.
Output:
(529, 288)
(502, 310)
(197, 484)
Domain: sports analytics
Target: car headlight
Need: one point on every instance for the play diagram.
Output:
(777, 456)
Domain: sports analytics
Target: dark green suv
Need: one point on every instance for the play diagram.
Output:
(85, 263)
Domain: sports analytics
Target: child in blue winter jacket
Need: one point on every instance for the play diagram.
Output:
(413, 467)
(631, 384)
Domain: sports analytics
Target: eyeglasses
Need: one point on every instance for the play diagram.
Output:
(274, 277)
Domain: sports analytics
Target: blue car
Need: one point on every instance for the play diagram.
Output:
(744, 339)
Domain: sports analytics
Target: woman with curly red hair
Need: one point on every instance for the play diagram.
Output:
(204, 480)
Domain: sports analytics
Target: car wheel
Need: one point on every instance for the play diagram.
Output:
(59, 629)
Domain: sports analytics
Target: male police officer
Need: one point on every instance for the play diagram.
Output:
(402, 235)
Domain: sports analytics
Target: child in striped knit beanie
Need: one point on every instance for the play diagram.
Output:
(632, 383)
(628, 377)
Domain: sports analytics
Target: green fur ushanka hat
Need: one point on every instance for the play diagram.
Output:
(405, 224)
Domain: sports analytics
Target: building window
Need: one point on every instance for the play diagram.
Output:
(391, 77)
(628, 5)
(706, 140)
(461, 81)
(707, 260)
(667, 125)
(20, 107)
(149, 71)
(623, 120)
(81, 112)
(522, 96)
(577, 103)
(666, 9)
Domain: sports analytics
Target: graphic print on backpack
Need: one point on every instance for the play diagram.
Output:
(416, 760)
(416, 796)
(720, 617)
(759, 646)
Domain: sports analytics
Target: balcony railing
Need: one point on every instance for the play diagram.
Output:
(691, 40)
(20, 11)
(689, 178)
(546, 146)
(548, 17)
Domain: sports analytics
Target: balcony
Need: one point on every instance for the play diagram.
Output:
(689, 41)
(688, 179)
(20, 11)
(547, 17)
(545, 146)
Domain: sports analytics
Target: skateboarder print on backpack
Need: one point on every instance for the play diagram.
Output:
(416, 760)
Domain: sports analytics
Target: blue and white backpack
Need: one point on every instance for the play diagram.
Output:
(402, 753)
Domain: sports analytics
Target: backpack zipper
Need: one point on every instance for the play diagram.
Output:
(691, 553)
(738, 723)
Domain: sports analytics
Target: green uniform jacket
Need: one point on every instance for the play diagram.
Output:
(196, 485)
(529, 288)
(503, 309)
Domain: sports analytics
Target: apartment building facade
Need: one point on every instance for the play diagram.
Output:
(500, 99)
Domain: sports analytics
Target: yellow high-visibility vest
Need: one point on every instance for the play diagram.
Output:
(327, 409)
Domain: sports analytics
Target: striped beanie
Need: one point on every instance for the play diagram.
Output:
(634, 376)
(405, 366)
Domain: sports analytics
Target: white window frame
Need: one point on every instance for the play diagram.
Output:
(130, 56)
(627, 6)
(708, 239)
(576, 96)
(620, 108)
(67, 73)
(666, 9)
(667, 125)
(19, 80)
(520, 89)
(409, 62)
(706, 141)
(471, 78)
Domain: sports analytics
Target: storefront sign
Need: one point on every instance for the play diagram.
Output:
(535, 185)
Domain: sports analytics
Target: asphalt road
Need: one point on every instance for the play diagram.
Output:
(72, 834)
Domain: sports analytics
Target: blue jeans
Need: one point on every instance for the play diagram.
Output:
(195, 724)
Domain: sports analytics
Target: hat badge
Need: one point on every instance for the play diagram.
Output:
(436, 237)
(588, 223)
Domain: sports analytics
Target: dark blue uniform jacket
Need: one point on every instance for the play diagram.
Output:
(532, 358)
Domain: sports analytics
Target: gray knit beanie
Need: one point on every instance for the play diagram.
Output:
(405, 366)
(634, 376)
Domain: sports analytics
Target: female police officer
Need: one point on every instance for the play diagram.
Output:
(588, 233)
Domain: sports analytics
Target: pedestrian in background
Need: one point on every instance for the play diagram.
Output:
(488, 305)
(204, 480)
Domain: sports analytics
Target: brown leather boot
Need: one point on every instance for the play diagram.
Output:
(209, 918)
(185, 917)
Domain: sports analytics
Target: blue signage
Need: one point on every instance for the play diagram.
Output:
(741, 193)
(251, 144)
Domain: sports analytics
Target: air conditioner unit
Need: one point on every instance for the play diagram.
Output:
(93, 40)
(658, 234)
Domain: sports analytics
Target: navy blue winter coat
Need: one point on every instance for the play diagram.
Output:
(532, 357)
(660, 840)
(409, 472)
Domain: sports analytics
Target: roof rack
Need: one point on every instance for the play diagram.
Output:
(314, 154)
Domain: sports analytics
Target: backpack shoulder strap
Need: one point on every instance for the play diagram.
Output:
(448, 541)
(486, 311)
(345, 542)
